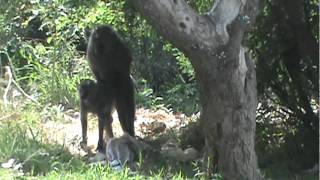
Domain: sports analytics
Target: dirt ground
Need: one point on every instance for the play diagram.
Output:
(147, 123)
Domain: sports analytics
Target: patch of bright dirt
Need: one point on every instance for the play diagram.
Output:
(147, 123)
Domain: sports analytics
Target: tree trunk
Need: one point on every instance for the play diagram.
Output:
(226, 76)
(228, 117)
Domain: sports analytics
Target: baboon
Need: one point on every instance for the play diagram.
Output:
(123, 151)
(110, 61)
(96, 98)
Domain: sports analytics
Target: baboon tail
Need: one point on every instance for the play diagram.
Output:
(125, 106)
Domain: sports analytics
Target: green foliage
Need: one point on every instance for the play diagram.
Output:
(183, 62)
(146, 97)
(285, 49)
(181, 94)
(181, 98)
(202, 6)
(46, 42)
(52, 64)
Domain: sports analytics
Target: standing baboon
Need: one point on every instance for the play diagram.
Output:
(110, 61)
(96, 98)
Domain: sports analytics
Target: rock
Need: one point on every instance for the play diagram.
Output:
(98, 158)
(8, 164)
(171, 149)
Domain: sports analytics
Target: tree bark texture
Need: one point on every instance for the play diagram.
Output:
(226, 76)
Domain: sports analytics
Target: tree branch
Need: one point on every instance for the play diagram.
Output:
(179, 23)
(223, 13)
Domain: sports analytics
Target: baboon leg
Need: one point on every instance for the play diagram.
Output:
(125, 106)
(84, 122)
(101, 124)
(109, 131)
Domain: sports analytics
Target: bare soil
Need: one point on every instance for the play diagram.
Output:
(148, 123)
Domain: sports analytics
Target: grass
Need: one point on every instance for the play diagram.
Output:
(46, 161)
(22, 140)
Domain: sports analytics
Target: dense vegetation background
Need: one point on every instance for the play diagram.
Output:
(44, 43)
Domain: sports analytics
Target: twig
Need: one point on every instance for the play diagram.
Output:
(10, 64)
(11, 80)
(7, 76)
(32, 155)
(24, 93)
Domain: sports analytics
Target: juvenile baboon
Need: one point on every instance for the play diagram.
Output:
(98, 99)
(110, 61)
(123, 151)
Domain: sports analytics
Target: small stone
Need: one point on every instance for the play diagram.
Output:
(8, 164)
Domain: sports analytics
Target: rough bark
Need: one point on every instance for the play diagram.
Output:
(226, 76)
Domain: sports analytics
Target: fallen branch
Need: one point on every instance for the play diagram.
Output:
(7, 116)
(9, 77)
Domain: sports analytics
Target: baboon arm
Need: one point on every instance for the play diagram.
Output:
(84, 123)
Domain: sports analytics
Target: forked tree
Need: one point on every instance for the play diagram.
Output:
(226, 76)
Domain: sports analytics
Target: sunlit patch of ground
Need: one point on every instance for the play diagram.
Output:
(148, 122)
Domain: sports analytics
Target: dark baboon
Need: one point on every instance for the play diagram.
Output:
(98, 99)
(110, 61)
